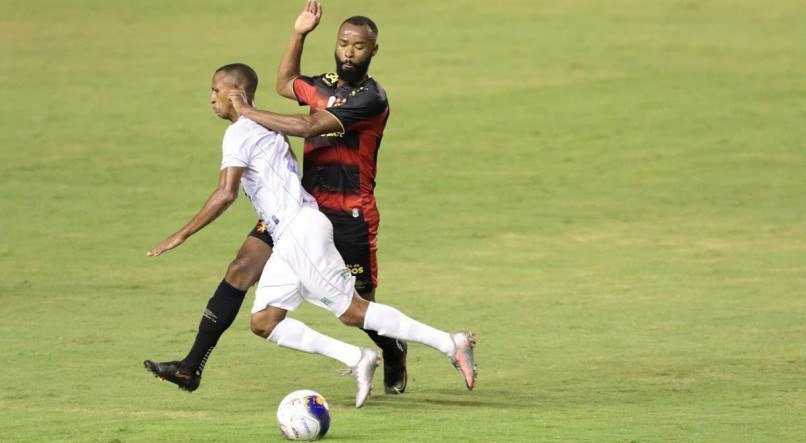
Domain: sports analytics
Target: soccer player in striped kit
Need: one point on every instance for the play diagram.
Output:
(340, 166)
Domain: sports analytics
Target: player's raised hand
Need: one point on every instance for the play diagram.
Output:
(238, 99)
(171, 242)
(309, 18)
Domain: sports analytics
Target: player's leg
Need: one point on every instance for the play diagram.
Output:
(223, 306)
(221, 310)
(273, 324)
(395, 375)
(390, 322)
(278, 292)
(355, 240)
(329, 284)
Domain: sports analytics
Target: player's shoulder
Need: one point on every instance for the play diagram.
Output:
(325, 81)
(374, 89)
(368, 95)
(245, 128)
(248, 125)
(370, 89)
(239, 129)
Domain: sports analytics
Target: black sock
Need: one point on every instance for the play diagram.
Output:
(222, 308)
(392, 353)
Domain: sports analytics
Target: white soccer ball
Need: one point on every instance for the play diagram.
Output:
(303, 415)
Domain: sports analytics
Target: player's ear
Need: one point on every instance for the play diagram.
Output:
(375, 50)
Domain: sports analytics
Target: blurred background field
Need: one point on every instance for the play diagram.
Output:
(611, 193)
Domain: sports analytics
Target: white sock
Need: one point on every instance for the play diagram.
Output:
(390, 322)
(297, 335)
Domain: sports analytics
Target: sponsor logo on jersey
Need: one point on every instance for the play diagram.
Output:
(333, 134)
(355, 269)
(331, 78)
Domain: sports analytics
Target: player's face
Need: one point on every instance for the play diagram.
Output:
(218, 96)
(355, 47)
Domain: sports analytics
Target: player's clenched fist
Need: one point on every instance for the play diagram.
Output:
(238, 99)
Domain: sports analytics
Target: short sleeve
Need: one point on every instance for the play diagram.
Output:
(363, 105)
(304, 89)
(233, 149)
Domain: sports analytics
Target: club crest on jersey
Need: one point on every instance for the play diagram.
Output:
(333, 101)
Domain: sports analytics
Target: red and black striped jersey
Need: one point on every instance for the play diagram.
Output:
(339, 168)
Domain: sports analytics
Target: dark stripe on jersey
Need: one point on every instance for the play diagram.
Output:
(348, 140)
(343, 179)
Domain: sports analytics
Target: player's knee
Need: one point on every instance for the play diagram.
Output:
(243, 272)
(349, 319)
(355, 313)
(261, 326)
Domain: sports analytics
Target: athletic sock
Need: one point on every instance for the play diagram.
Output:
(390, 322)
(392, 353)
(297, 335)
(222, 308)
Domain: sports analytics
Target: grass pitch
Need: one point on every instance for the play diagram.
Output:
(610, 193)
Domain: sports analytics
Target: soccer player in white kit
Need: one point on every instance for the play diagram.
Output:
(305, 264)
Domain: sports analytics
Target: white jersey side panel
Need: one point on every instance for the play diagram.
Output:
(271, 176)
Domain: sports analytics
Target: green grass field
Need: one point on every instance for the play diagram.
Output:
(610, 193)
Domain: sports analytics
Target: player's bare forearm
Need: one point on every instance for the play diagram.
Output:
(218, 202)
(215, 205)
(290, 66)
(297, 125)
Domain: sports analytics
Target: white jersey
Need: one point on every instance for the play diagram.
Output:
(271, 178)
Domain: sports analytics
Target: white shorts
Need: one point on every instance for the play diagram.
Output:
(305, 264)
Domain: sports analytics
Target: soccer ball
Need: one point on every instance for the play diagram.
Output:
(303, 415)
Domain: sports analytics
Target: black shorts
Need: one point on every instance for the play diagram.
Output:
(356, 244)
(261, 233)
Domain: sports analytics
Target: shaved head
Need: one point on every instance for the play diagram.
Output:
(360, 20)
(240, 76)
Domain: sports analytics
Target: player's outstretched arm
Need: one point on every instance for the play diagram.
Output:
(289, 68)
(216, 204)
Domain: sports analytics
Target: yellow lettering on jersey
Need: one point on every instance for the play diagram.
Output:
(330, 78)
(356, 269)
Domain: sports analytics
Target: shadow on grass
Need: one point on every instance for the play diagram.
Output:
(480, 397)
